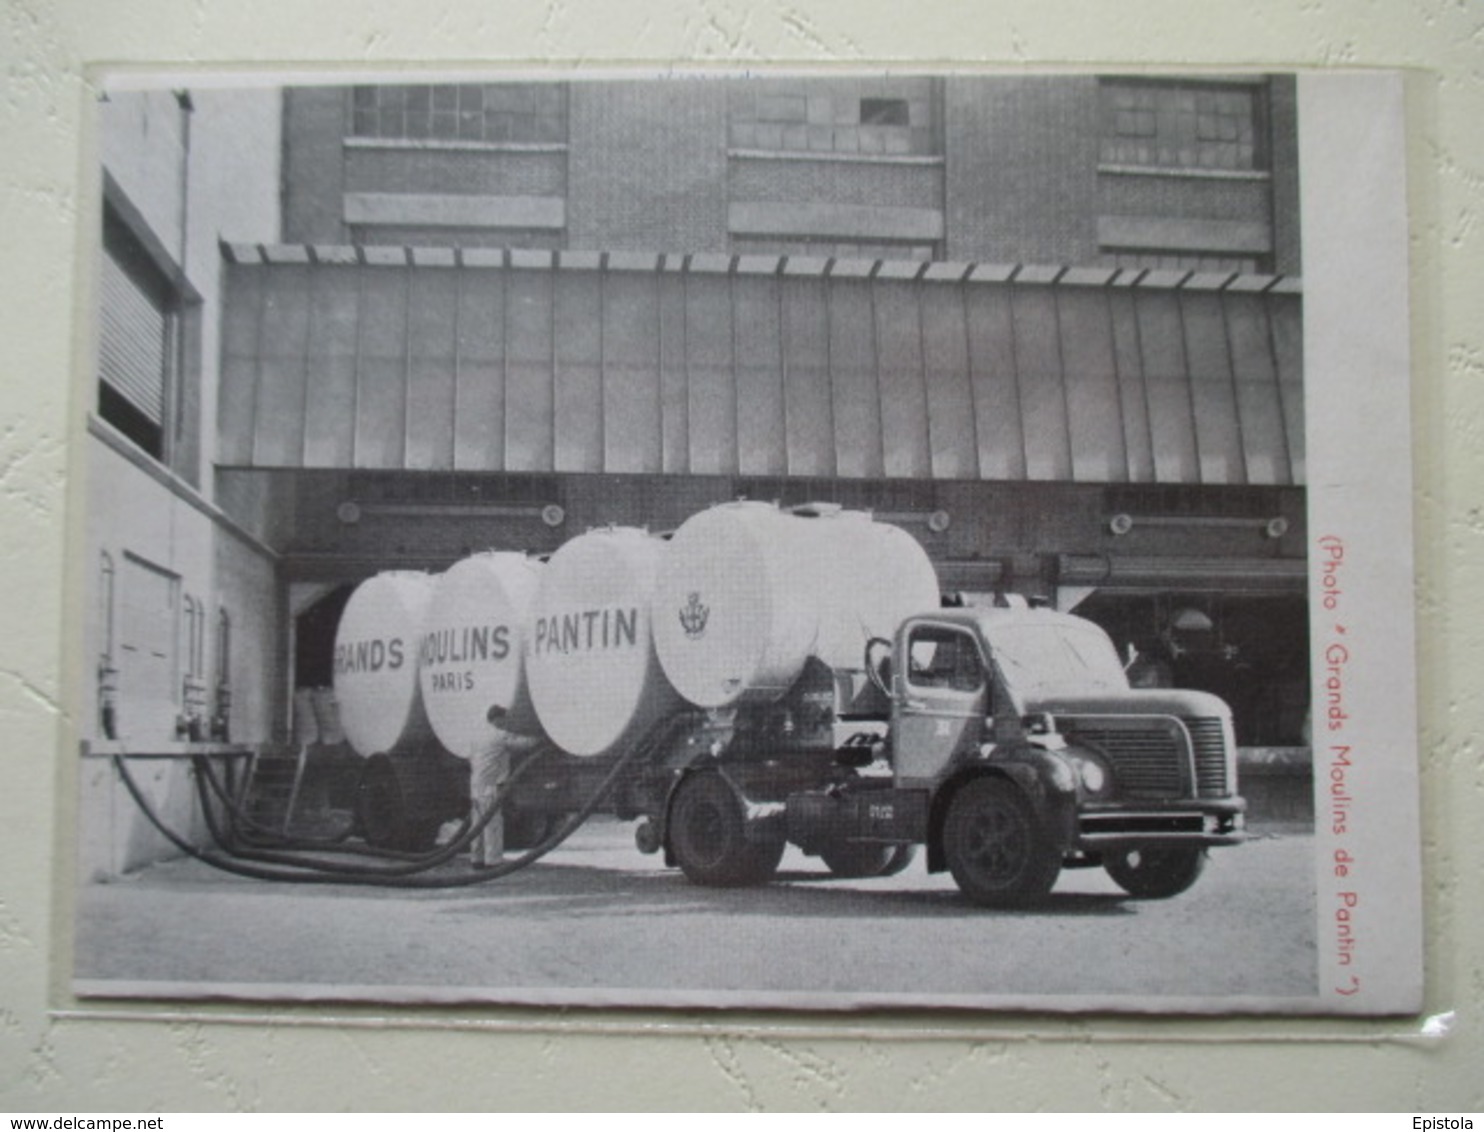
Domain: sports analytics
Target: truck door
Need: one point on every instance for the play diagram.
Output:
(941, 700)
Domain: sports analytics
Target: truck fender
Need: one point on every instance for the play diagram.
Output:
(1044, 778)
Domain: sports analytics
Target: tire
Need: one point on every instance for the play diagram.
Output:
(526, 830)
(860, 859)
(382, 814)
(1155, 872)
(708, 837)
(995, 848)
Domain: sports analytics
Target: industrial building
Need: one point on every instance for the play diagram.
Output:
(1051, 326)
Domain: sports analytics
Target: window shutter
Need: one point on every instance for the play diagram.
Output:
(134, 340)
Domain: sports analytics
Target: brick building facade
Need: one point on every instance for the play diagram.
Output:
(1125, 172)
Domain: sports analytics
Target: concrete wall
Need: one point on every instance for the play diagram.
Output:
(186, 172)
(234, 179)
(143, 140)
(141, 523)
(189, 170)
(989, 523)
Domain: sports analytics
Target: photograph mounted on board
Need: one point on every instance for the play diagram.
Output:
(805, 541)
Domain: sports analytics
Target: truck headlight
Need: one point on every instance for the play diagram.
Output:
(1094, 777)
(1094, 774)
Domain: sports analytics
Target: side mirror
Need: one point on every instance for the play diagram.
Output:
(878, 664)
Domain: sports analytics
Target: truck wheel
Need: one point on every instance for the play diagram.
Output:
(1155, 872)
(709, 838)
(382, 813)
(997, 851)
(857, 859)
(525, 830)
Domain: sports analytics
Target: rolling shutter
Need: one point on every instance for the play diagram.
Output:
(136, 330)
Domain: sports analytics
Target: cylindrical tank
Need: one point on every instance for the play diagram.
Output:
(376, 648)
(749, 593)
(590, 660)
(737, 606)
(878, 576)
(472, 653)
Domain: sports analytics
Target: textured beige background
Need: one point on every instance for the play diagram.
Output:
(56, 1063)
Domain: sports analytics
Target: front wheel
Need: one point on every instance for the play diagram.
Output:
(1155, 872)
(997, 851)
(708, 835)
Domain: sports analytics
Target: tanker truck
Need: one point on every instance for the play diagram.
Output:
(766, 677)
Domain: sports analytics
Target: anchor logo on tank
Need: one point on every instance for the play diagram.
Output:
(694, 616)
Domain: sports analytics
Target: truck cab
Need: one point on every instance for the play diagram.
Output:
(1033, 753)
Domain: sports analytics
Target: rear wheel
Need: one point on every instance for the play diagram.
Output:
(861, 859)
(708, 835)
(525, 829)
(383, 814)
(995, 848)
(1155, 872)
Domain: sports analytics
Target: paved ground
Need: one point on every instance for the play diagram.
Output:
(598, 922)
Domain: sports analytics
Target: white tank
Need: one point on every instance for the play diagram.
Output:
(878, 576)
(472, 651)
(749, 593)
(737, 606)
(590, 660)
(376, 648)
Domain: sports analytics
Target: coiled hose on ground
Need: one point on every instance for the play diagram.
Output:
(289, 863)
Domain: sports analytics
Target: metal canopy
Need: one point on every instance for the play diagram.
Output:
(431, 359)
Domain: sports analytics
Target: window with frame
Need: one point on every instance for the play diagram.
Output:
(891, 117)
(139, 339)
(509, 113)
(942, 658)
(1164, 124)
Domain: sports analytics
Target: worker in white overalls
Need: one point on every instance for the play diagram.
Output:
(489, 771)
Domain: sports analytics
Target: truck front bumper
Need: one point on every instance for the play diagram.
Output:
(1180, 821)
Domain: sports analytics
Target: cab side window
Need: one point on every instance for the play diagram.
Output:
(944, 658)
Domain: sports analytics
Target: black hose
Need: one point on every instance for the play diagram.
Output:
(443, 854)
(225, 864)
(275, 840)
(307, 873)
(317, 871)
(338, 844)
(247, 828)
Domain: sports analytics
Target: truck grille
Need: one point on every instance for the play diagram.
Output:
(1147, 762)
(1209, 737)
(1151, 762)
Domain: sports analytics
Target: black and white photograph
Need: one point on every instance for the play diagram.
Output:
(849, 540)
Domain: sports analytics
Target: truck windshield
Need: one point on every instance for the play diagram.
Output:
(1040, 660)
